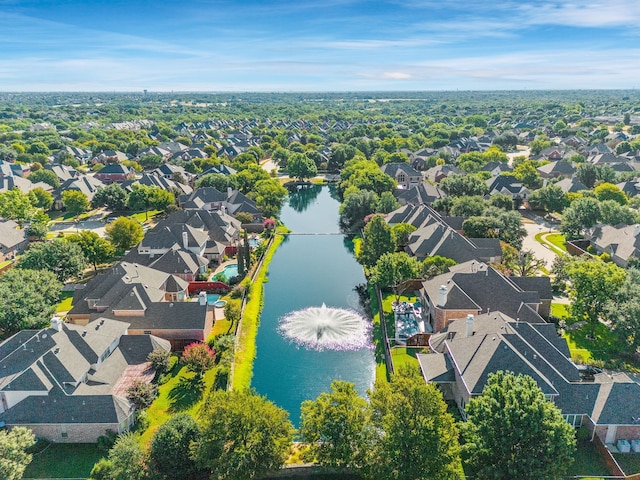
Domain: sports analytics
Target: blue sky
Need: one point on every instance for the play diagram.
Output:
(318, 45)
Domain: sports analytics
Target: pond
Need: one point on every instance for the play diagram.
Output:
(308, 270)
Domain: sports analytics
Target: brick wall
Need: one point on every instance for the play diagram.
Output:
(75, 433)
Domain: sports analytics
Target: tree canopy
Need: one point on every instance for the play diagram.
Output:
(243, 435)
(27, 300)
(124, 233)
(59, 256)
(13, 452)
(336, 425)
(512, 431)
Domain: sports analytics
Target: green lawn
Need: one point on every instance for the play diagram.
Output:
(58, 216)
(182, 393)
(401, 356)
(560, 310)
(64, 460)
(65, 302)
(605, 347)
(630, 462)
(555, 241)
(5, 263)
(588, 461)
(142, 216)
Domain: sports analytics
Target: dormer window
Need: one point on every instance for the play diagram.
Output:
(93, 303)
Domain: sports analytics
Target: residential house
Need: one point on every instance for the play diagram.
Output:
(151, 180)
(68, 383)
(211, 199)
(13, 240)
(221, 229)
(404, 174)
(439, 172)
(86, 184)
(151, 301)
(508, 185)
(558, 169)
(621, 242)
(496, 168)
(630, 188)
(115, 172)
(423, 193)
(474, 287)
(571, 185)
(472, 347)
(110, 156)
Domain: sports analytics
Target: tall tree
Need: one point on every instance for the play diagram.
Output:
(392, 269)
(75, 202)
(377, 240)
(593, 283)
(40, 198)
(436, 265)
(356, 207)
(609, 191)
(45, 176)
(300, 166)
(387, 203)
(243, 436)
(27, 300)
(410, 418)
(113, 196)
(512, 431)
(62, 257)
(13, 452)
(269, 196)
(582, 213)
(95, 249)
(623, 310)
(464, 185)
(15, 205)
(336, 426)
(170, 455)
(550, 198)
(124, 233)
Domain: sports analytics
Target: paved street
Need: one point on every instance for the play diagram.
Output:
(530, 243)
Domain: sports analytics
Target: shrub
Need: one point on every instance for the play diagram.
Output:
(198, 358)
(160, 360)
(106, 441)
(141, 394)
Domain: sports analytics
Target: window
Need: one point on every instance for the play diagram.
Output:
(147, 332)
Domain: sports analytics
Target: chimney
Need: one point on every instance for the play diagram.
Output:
(56, 324)
(202, 298)
(469, 329)
(185, 240)
(229, 191)
(442, 296)
(636, 230)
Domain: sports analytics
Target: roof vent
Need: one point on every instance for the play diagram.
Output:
(171, 304)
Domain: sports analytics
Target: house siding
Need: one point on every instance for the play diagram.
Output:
(75, 432)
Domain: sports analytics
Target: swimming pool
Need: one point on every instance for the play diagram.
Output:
(230, 270)
(212, 298)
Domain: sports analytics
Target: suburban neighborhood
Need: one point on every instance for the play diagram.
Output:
(498, 253)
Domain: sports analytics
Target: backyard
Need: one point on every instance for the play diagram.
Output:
(79, 459)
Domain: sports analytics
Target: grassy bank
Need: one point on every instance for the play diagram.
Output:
(246, 348)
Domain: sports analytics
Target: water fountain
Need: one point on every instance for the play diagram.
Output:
(327, 328)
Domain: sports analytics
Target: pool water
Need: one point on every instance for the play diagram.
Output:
(230, 270)
(212, 298)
